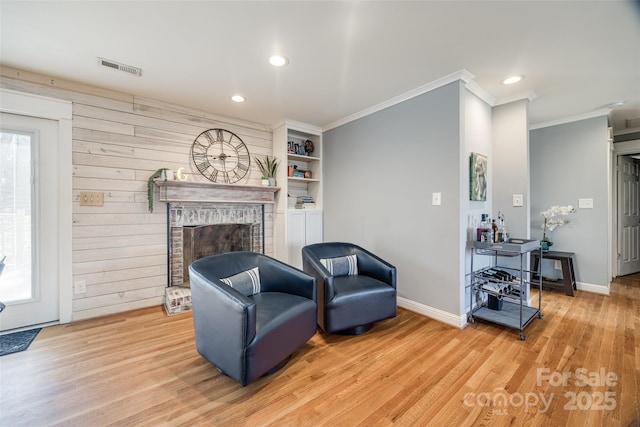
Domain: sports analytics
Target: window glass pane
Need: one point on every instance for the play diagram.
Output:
(15, 216)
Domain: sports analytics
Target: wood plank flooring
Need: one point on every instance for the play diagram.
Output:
(141, 368)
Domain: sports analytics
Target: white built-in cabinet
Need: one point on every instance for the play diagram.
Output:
(304, 227)
(295, 228)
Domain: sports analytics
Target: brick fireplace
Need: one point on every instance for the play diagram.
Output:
(200, 229)
(207, 219)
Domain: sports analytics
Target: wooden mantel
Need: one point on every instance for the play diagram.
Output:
(209, 192)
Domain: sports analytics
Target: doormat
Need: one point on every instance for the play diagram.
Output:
(17, 341)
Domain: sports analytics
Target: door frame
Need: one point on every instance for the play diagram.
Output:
(27, 104)
(619, 149)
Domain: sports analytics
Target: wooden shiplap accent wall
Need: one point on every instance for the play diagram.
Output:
(119, 140)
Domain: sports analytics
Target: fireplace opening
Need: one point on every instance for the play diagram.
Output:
(204, 240)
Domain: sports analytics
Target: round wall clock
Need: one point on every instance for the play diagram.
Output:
(220, 156)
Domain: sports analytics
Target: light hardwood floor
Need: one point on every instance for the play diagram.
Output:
(141, 368)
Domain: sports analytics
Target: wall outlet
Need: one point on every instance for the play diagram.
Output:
(80, 287)
(557, 265)
(436, 199)
(518, 200)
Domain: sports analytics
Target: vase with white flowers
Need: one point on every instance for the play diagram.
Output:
(554, 217)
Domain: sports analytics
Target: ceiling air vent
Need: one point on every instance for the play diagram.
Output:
(118, 66)
(632, 123)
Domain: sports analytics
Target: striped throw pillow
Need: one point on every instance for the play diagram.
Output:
(246, 282)
(341, 266)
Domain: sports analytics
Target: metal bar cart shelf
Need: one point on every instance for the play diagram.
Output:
(508, 285)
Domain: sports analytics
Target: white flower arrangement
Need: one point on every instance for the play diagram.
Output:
(554, 217)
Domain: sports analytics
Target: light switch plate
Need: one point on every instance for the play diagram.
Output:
(436, 199)
(88, 198)
(518, 200)
(585, 203)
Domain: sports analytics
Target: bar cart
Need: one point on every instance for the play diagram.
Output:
(498, 293)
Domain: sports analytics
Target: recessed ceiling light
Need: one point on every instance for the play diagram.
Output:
(278, 61)
(238, 98)
(513, 79)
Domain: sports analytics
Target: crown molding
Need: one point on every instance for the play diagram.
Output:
(585, 116)
(478, 91)
(528, 95)
(299, 126)
(462, 75)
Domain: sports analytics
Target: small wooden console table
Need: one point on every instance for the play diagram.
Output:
(568, 275)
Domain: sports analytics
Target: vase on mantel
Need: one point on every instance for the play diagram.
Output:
(545, 244)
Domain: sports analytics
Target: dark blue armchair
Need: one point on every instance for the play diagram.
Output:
(250, 312)
(355, 287)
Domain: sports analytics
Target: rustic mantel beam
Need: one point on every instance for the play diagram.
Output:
(209, 192)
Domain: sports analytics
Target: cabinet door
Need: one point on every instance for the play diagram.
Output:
(295, 236)
(313, 230)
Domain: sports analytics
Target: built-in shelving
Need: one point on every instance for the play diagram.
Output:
(293, 178)
(285, 136)
(301, 158)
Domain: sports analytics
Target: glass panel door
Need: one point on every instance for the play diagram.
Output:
(29, 221)
(16, 217)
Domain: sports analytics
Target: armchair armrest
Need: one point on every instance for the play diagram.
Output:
(276, 276)
(223, 314)
(312, 265)
(373, 266)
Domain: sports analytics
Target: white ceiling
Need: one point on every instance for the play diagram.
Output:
(345, 57)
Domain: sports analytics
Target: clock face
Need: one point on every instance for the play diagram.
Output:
(220, 156)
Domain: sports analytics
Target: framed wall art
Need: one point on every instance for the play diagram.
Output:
(477, 177)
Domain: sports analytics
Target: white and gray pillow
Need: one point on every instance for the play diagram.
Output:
(341, 266)
(246, 282)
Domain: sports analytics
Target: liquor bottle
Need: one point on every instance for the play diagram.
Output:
(494, 228)
(503, 234)
(482, 228)
(488, 231)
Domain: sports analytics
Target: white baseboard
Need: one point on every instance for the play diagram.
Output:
(461, 321)
(589, 287)
(434, 313)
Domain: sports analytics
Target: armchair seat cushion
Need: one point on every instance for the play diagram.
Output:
(348, 286)
(283, 321)
(359, 300)
(277, 310)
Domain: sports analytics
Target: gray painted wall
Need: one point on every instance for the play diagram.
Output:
(511, 171)
(511, 160)
(379, 175)
(569, 162)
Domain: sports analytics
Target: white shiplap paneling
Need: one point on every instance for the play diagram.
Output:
(119, 249)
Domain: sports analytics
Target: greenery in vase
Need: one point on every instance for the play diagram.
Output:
(156, 174)
(268, 166)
